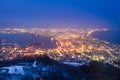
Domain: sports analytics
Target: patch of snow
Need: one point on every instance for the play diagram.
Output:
(44, 69)
(3, 71)
(34, 64)
(15, 70)
(74, 63)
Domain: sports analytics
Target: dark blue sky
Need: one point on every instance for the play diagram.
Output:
(60, 13)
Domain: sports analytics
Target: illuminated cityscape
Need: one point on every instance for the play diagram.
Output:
(72, 45)
(34, 52)
(59, 39)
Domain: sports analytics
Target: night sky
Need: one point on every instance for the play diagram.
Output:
(60, 13)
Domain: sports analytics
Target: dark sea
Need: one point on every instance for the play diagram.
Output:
(24, 39)
(112, 36)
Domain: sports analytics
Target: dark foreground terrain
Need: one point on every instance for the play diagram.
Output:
(44, 68)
